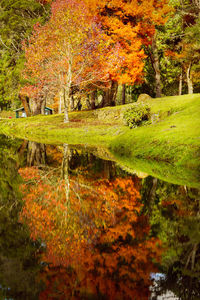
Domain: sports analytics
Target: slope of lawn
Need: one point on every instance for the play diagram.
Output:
(174, 139)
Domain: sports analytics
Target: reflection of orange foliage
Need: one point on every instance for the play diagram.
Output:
(101, 235)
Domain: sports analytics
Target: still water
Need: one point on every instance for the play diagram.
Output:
(75, 226)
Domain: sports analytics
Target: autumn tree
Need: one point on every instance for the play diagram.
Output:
(132, 25)
(66, 52)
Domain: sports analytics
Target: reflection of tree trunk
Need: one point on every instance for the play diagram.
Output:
(153, 189)
(189, 80)
(65, 173)
(108, 169)
(22, 148)
(191, 257)
(156, 66)
(152, 193)
(36, 154)
(21, 151)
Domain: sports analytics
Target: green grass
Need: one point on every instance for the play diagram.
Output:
(167, 149)
(175, 139)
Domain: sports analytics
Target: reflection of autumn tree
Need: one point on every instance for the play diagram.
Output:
(100, 237)
(123, 255)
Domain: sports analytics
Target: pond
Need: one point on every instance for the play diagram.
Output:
(76, 225)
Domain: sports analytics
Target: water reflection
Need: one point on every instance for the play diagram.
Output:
(91, 225)
(95, 231)
(175, 218)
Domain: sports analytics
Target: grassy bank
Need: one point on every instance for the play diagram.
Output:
(173, 140)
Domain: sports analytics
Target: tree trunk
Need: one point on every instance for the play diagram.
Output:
(180, 83)
(113, 92)
(189, 80)
(66, 103)
(124, 94)
(60, 103)
(25, 103)
(36, 108)
(93, 98)
(43, 105)
(109, 97)
(88, 102)
(156, 66)
(72, 102)
(66, 92)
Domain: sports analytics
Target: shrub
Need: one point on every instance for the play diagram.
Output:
(137, 115)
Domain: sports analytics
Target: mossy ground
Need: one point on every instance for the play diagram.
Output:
(173, 140)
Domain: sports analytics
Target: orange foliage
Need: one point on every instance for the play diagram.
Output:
(131, 24)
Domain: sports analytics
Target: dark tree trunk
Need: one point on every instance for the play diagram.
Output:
(156, 66)
(113, 92)
(109, 170)
(124, 93)
(72, 102)
(109, 97)
(88, 102)
(93, 98)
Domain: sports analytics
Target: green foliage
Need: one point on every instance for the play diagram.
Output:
(17, 19)
(137, 115)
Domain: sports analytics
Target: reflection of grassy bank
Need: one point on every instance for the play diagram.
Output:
(165, 171)
(174, 140)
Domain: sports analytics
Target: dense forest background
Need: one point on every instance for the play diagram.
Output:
(120, 49)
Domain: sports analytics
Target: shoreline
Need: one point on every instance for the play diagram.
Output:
(174, 140)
